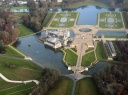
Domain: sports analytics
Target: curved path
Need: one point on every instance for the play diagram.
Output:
(13, 81)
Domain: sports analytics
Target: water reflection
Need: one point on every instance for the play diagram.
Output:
(51, 58)
(100, 65)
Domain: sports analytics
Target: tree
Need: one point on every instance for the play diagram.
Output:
(2, 47)
(49, 77)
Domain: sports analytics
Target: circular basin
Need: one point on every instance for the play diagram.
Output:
(64, 19)
(110, 20)
(85, 30)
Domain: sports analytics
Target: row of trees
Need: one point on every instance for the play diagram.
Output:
(36, 16)
(49, 77)
(125, 16)
(67, 3)
(111, 3)
(115, 3)
(113, 80)
(2, 47)
(123, 51)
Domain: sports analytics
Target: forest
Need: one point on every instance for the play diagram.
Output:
(123, 51)
(112, 80)
(8, 31)
(49, 77)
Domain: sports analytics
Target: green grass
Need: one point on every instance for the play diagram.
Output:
(71, 57)
(23, 70)
(101, 55)
(47, 18)
(68, 23)
(103, 24)
(24, 31)
(89, 49)
(62, 87)
(74, 49)
(18, 89)
(115, 36)
(19, 7)
(11, 52)
(87, 2)
(88, 58)
(19, 15)
(86, 86)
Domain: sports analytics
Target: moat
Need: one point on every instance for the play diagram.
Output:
(53, 59)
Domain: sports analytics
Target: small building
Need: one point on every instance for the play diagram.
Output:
(111, 49)
(59, 1)
(22, 2)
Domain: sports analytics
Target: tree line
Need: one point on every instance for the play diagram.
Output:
(8, 31)
(113, 80)
(49, 77)
(38, 11)
(122, 55)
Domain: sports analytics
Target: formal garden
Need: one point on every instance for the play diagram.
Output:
(64, 19)
(112, 20)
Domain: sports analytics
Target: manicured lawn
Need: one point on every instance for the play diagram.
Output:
(74, 49)
(89, 49)
(86, 86)
(115, 36)
(101, 55)
(24, 31)
(115, 18)
(68, 23)
(11, 52)
(71, 57)
(62, 87)
(88, 58)
(87, 2)
(19, 7)
(17, 89)
(47, 19)
(23, 69)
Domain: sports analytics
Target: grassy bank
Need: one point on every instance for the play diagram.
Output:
(24, 30)
(11, 52)
(17, 89)
(47, 19)
(62, 87)
(20, 70)
(88, 2)
(101, 55)
(86, 86)
(71, 57)
(87, 59)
